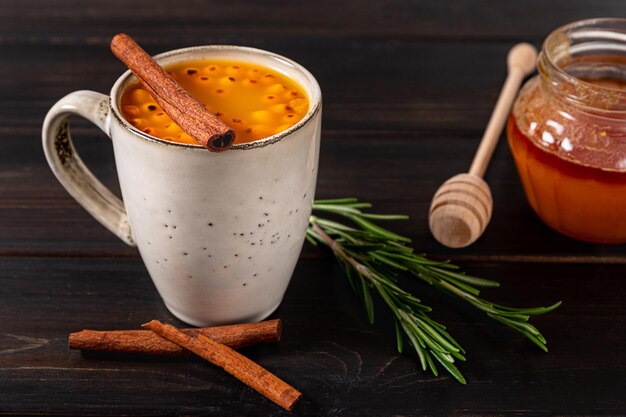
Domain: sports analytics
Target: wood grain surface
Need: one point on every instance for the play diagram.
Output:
(408, 88)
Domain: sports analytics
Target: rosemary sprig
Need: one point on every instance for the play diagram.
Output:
(372, 256)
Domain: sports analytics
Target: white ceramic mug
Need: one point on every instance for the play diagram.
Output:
(220, 233)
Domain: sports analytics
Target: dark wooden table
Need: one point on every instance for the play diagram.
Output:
(408, 88)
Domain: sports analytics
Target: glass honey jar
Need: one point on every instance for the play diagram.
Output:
(567, 131)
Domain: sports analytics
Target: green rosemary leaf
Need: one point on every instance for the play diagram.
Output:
(448, 337)
(364, 246)
(311, 239)
(385, 216)
(538, 342)
(481, 282)
(377, 230)
(432, 366)
(334, 225)
(459, 284)
(367, 300)
(399, 338)
(312, 234)
(451, 368)
(399, 247)
(429, 341)
(531, 311)
(335, 201)
(403, 256)
(525, 328)
(387, 261)
(345, 210)
(350, 275)
(359, 205)
(440, 264)
(537, 339)
(415, 303)
(437, 336)
(421, 353)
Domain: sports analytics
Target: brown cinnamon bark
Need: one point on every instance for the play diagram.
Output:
(147, 343)
(242, 368)
(205, 127)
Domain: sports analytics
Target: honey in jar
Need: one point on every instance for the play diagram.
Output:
(567, 132)
(256, 101)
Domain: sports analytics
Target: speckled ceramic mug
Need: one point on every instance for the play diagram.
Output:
(220, 234)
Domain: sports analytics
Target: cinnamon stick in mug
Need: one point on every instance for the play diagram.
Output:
(205, 127)
(148, 343)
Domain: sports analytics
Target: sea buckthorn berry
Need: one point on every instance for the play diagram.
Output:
(132, 111)
(233, 70)
(226, 81)
(253, 73)
(139, 95)
(172, 128)
(212, 70)
(300, 105)
(276, 88)
(280, 109)
(289, 118)
(267, 79)
(138, 123)
(151, 130)
(262, 116)
(191, 71)
(149, 108)
(159, 118)
(247, 82)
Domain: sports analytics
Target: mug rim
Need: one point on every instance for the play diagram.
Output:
(314, 108)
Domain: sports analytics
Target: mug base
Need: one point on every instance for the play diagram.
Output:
(220, 322)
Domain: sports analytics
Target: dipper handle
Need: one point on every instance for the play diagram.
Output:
(462, 206)
(520, 62)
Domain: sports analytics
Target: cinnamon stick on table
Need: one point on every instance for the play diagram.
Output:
(237, 365)
(202, 125)
(147, 342)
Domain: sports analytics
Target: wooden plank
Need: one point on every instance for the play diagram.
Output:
(75, 22)
(329, 352)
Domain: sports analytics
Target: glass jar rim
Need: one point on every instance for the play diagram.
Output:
(576, 38)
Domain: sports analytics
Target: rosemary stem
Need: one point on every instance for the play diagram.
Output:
(338, 251)
(373, 256)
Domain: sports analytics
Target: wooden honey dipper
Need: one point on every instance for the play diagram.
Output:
(462, 206)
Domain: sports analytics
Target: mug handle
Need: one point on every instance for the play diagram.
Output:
(70, 169)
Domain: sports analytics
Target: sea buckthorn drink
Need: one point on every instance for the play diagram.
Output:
(254, 100)
(219, 233)
(567, 132)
